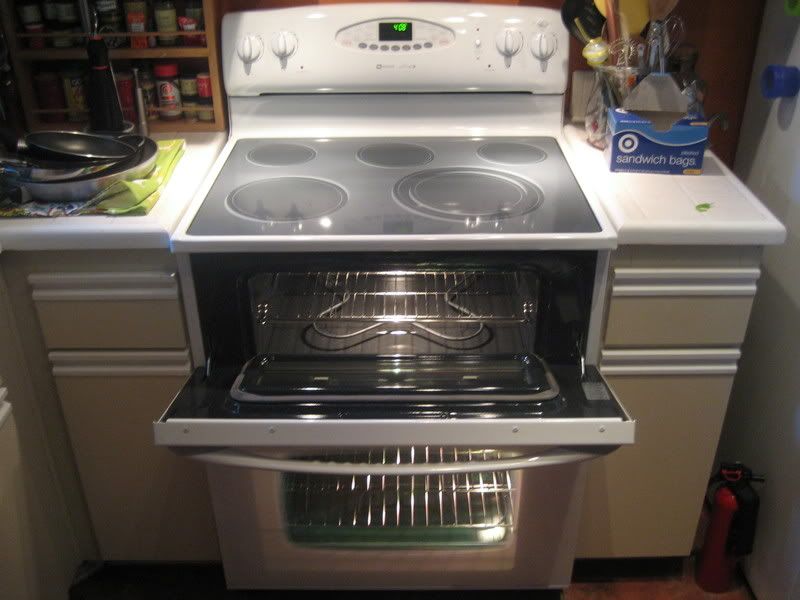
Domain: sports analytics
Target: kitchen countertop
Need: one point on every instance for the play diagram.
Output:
(662, 209)
(644, 209)
(122, 232)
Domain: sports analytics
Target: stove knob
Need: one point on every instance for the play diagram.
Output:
(284, 45)
(509, 42)
(250, 48)
(543, 47)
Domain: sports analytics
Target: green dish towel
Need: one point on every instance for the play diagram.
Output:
(137, 197)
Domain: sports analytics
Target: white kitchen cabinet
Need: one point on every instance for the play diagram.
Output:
(104, 339)
(94, 310)
(146, 503)
(644, 500)
(675, 319)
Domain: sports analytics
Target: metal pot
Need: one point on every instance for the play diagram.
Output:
(40, 171)
(85, 187)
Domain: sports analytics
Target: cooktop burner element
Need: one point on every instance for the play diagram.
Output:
(280, 155)
(511, 153)
(286, 199)
(395, 155)
(467, 193)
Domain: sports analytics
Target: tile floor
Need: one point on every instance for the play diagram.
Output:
(594, 580)
(648, 580)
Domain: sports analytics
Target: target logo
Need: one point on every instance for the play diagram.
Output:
(628, 143)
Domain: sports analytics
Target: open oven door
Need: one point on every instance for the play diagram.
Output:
(218, 419)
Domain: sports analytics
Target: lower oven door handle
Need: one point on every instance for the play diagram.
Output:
(237, 458)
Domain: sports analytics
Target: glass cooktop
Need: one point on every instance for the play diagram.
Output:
(369, 186)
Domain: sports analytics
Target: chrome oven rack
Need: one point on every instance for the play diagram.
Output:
(394, 296)
(407, 510)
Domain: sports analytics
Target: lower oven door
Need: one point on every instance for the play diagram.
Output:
(423, 494)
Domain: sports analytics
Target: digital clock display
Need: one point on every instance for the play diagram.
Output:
(398, 31)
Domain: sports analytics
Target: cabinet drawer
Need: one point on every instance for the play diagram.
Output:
(145, 503)
(680, 307)
(108, 310)
(645, 500)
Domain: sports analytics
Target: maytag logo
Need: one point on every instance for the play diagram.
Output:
(628, 143)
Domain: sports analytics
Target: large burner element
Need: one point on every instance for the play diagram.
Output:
(286, 199)
(395, 155)
(280, 155)
(467, 193)
(511, 153)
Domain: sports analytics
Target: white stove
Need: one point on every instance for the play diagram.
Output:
(381, 402)
(329, 151)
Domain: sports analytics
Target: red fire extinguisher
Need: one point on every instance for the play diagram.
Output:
(731, 529)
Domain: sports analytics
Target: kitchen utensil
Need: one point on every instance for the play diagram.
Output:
(9, 99)
(596, 52)
(85, 187)
(612, 24)
(587, 15)
(105, 112)
(141, 111)
(636, 13)
(42, 171)
(67, 145)
(661, 9)
(658, 92)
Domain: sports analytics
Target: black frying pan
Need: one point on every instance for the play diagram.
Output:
(67, 145)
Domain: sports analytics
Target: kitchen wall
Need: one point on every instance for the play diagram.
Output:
(763, 424)
(724, 31)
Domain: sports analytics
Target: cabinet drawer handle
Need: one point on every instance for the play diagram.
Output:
(75, 363)
(685, 282)
(103, 286)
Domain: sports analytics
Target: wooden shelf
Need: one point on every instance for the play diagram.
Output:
(24, 63)
(157, 53)
(155, 126)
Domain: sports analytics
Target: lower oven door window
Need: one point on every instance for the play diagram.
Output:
(399, 511)
(488, 528)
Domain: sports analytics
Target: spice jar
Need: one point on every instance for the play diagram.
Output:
(149, 92)
(205, 109)
(49, 96)
(74, 93)
(188, 86)
(204, 85)
(169, 94)
(136, 22)
(29, 12)
(110, 20)
(166, 20)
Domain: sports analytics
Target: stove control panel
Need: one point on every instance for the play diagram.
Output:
(395, 35)
(408, 47)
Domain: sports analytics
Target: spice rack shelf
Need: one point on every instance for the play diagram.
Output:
(33, 53)
(48, 54)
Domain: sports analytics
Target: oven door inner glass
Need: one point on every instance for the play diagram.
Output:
(518, 378)
(464, 509)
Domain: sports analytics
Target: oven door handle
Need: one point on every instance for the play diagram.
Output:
(237, 458)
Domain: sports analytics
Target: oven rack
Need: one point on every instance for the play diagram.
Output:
(425, 296)
(476, 508)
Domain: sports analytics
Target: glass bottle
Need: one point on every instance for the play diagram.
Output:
(166, 20)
